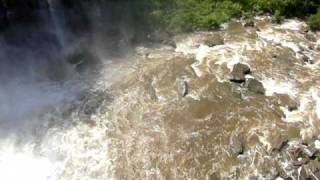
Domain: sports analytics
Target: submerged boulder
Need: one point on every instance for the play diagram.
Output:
(248, 23)
(310, 37)
(239, 71)
(285, 100)
(306, 59)
(82, 58)
(278, 142)
(236, 145)
(162, 37)
(213, 40)
(255, 86)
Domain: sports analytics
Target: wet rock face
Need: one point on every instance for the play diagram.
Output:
(238, 73)
(255, 86)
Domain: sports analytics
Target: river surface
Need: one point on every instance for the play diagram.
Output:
(170, 113)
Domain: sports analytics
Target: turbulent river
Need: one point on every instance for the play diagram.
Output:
(173, 113)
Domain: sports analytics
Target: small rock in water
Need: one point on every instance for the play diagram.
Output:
(285, 100)
(236, 145)
(306, 59)
(152, 93)
(162, 37)
(300, 162)
(310, 47)
(253, 178)
(249, 23)
(310, 151)
(278, 142)
(158, 36)
(170, 43)
(213, 40)
(238, 73)
(255, 86)
(183, 88)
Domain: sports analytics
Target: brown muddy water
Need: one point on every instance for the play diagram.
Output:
(173, 113)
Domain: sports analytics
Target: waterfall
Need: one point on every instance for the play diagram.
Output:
(59, 25)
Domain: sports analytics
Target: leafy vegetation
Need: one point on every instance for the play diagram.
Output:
(314, 21)
(184, 15)
(188, 15)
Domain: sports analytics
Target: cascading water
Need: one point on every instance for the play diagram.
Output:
(58, 19)
(168, 112)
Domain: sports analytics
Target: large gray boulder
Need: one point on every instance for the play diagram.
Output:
(238, 73)
(255, 86)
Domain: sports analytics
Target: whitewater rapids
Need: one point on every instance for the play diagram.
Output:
(144, 129)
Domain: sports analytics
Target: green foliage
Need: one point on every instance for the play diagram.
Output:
(189, 15)
(278, 16)
(314, 21)
(317, 157)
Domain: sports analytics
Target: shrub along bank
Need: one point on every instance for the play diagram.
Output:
(188, 15)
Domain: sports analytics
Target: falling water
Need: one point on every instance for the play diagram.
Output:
(58, 19)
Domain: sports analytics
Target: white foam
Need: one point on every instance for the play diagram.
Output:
(202, 52)
(272, 86)
(186, 47)
(316, 97)
(281, 39)
(291, 116)
(317, 144)
(23, 164)
(293, 25)
(224, 26)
